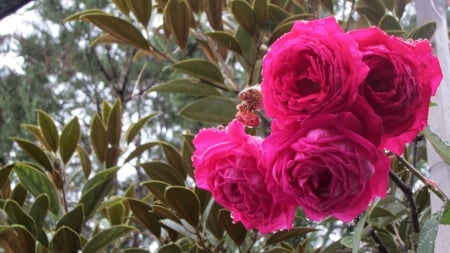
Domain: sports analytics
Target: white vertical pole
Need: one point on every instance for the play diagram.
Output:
(439, 117)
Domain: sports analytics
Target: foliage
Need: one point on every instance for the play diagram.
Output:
(67, 195)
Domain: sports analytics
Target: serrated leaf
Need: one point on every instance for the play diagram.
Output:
(425, 31)
(196, 88)
(70, 136)
(201, 69)
(142, 10)
(185, 202)
(48, 129)
(17, 215)
(114, 123)
(389, 23)
(119, 28)
(177, 17)
(157, 188)
(162, 171)
(226, 40)
(84, 160)
(213, 10)
(66, 240)
(37, 183)
(260, 8)
(143, 213)
(38, 210)
(73, 219)
(106, 237)
(428, 234)
(139, 150)
(372, 9)
(441, 148)
(134, 128)
(288, 234)
(244, 15)
(99, 138)
(210, 109)
(35, 152)
(236, 231)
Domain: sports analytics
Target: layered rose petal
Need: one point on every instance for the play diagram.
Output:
(314, 68)
(228, 163)
(402, 78)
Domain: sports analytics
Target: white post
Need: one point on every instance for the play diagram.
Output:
(439, 117)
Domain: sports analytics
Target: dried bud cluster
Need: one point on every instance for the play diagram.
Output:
(251, 98)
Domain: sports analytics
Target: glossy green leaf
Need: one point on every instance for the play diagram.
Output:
(425, 31)
(288, 234)
(99, 138)
(73, 219)
(143, 212)
(114, 125)
(212, 220)
(157, 188)
(142, 10)
(226, 40)
(169, 248)
(162, 171)
(48, 129)
(389, 23)
(191, 87)
(372, 9)
(163, 211)
(441, 148)
(106, 109)
(116, 214)
(139, 150)
(70, 136)
(428, 234)
(188, 151)
(236, 231)
(19, 194)
(85, 161)
(445, 219)
(175, 226)
(177, 17)
(276, 15)
(35, 152)
(213, 10)
(112, 156)
(4, 175)
(185, 202)
(248, 46)
(135, 128)
(18, 216)
(260, 8)
(356, 240)
(95, 190)
(37, 183)
(210, 109)
(388, 241)
(280, 30)
(66, 240)
(244, 15)
(77, 16)
(119, 28)
(201, 69)
(106, 237)
(36, 132)
(174, 158)
(38, 210)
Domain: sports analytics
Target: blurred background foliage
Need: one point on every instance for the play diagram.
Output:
(121, 86)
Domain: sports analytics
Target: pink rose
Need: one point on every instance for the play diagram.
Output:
(329, 164)
(314, 68)
(402, 78)
(228, 163)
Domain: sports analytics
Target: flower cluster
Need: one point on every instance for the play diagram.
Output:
(336, 100)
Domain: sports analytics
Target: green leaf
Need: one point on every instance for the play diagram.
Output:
(106, 237)
(288, 234)
(142, 10)
(70, 136)
(37, 133)
(372, 9)
(122, 5)
(201, 69)
(236, 231)
(37, 183)
(119, 28)
(17, 238)
(165, 212)
(139, 150)
(213, 9)
(19, 194)
(38, 210)
(387, 241)
(280, 30)
(106, 109)
(260, 8)
(73, 219)
(425, 31)
(157, 188)
(441, 148)
(169, 248)
(18, 216)
(428, 233)
(360, 226)
(48, 129)
(276, 15)
(4, 175)
(77, 15)
(162, 171)
(185, 202)
(244, 15)
(177, 17)
(400, 8)
(134, 250)
(35, 152)
(226, 40)
(389, 23)
(66, 240)
(116, 213)
(114, 125)
(144, 214)
(445, 219)
(191, 87)
(135, 128)
(210, 109)
(85, 161)
(174, 158)
(179, 228)
(99, 138)
(188, 151)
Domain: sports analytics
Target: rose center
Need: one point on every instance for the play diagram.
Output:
(321, 184)
(306, 87)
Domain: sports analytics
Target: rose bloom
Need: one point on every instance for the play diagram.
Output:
(228, 163)
(314, 68)
(329, 164)
(402, 78)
